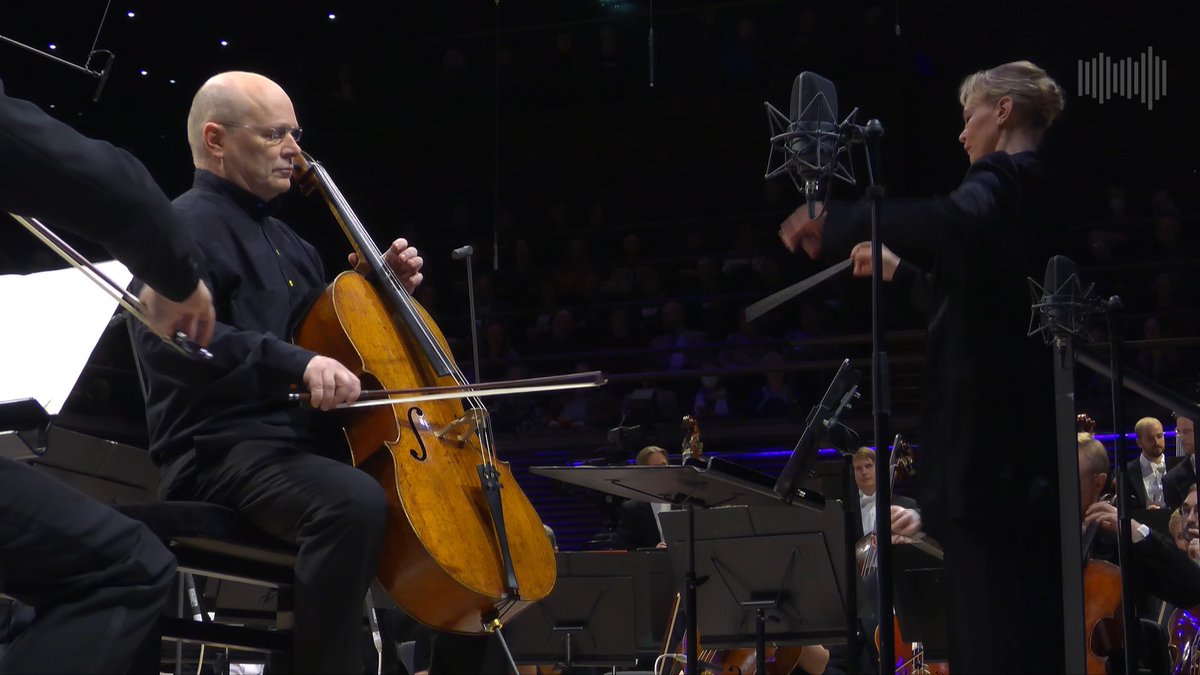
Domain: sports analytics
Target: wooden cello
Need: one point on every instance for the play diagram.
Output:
(1103, 621)
(910, 656)
(464, 547)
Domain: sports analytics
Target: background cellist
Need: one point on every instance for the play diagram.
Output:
(214, 428)
(1159, 567)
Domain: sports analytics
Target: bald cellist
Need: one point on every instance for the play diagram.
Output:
(213, 427)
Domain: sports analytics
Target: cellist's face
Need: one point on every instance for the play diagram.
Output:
(252, 158)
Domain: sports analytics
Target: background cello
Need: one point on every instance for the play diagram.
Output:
(464, 546)
(910, 656)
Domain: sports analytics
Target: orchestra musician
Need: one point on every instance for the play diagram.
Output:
(96, 579)
(217, 429)
(638, 525)
(905, 520)
(1160, 568)
(984, 240)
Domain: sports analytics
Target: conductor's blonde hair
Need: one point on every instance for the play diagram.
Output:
(1039, 98)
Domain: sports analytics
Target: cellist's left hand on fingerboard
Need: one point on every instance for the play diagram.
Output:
(404, 260)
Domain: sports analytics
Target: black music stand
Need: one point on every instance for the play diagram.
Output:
(920, 608)
(766, 572)
(586, 618)
(707, 484)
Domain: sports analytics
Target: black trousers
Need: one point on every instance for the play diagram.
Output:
(1004, 595)
(97, 580)
(332, 511)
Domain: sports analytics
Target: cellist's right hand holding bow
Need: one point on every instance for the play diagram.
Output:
(905, 522)
(1105, 516)
(330, 383)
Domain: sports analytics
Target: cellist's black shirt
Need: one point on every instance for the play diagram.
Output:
(264, 277)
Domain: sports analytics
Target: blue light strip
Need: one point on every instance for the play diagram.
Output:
(833, 452)
(1113, 437)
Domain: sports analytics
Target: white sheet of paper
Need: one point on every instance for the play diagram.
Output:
(49, 324)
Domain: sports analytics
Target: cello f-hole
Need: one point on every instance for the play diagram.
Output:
(415, 413)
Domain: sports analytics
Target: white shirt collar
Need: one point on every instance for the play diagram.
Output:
(1148, 466)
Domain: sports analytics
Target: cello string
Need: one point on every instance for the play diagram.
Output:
(369, 252)
(351, 221)
(377, 261)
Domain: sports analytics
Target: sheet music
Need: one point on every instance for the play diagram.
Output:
(51, 323)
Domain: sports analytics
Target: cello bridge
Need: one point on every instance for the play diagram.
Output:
(461, 428)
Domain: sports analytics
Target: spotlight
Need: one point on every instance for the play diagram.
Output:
(224, 43)
(144, 72)
(130, 14)
(171, 81)
(53, 46)
(332, 16)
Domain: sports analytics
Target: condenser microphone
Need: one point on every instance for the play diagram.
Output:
(1062, 305)
(462, 252)
(810, 140)
(814, 128)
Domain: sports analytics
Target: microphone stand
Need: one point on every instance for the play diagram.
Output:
(880, 405)
(1121, 472)
(466, 253)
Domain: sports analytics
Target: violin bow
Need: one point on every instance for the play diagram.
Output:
(130, 302)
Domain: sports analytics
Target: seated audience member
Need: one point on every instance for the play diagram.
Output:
(712, 399)
(775, 398)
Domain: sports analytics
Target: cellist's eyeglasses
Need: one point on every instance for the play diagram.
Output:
(273, 135)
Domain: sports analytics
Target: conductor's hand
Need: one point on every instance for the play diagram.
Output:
(905, 522)
(194, 316)
(860, 257)
(800, 231)
(330, 383)
(404, 260)
(1193, 550)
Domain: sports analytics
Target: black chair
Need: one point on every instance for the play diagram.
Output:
(212, 542)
